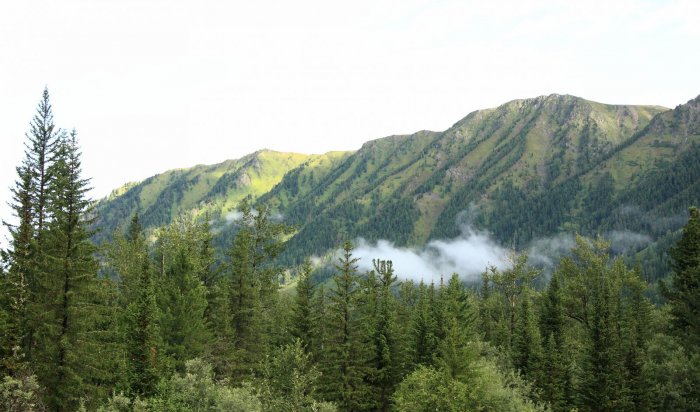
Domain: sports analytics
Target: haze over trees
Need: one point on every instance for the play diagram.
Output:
(176, 319)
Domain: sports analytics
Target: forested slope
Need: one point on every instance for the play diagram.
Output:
(526, 169)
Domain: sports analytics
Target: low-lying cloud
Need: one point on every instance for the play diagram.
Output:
(471, 253)
(468, 255)
(623, 240)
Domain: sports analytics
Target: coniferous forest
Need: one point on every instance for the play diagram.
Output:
(170, 320)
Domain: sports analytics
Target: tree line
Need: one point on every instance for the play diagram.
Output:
(154, 324)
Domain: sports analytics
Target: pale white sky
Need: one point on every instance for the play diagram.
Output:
(157, 84)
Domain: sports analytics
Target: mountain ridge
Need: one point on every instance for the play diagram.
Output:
(532, 167)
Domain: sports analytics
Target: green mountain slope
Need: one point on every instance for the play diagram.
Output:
(214, 190)
(526, 169)
(412, 188)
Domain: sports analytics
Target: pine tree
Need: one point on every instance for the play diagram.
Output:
(319, 333)
(485, 315)
(383, 333)
(595, 294)
(42, 149)
(141, 313)
(252, 285)
(603, 381)
(30, 206)
(344, 366)
(244, 298)
(181, 295)
(637, 330)
(456, 350)
(556, 377)
(527, 346)
(423, 332)
(70, 357)
(302, 320)
(15, 284)
(510, 285)
(683, 293)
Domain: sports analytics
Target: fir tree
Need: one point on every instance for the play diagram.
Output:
(30, 206)
(423, 332)
(70, 358)
(15, 283)
(253, 284)
(383, 335)
(527, 347)
(683, 293)
(181, 294)
(42, 149)
(555, 381)
(344, 367)
(456, 350)
(141, 317)
(302, 320)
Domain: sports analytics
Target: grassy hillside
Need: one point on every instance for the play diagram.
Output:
(413, 188)
(215, 190)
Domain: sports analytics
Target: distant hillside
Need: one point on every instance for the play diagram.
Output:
(214, 190)
(526, 169)
(412, 188)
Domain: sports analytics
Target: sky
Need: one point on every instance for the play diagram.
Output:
(152, 85)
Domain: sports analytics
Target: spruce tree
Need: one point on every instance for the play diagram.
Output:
(319, 332)
(181, 295)
(423, 331)
(42, 147)
(252, 285)
(70, 354)
(344, 367)
(683, 293)
(456, 352)
(14, 285)
(141, 311)
(556, 377)
(302, 318)
(383, 335)
(527, 346)
(30, 205)
(244, 298)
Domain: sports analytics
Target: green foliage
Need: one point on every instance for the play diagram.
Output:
(302, 320)
(345, 357)
(289, 381)
(21, 394)
(684, 292)
(430, 389)
(252, 285)
(181, 295)
(141, 337)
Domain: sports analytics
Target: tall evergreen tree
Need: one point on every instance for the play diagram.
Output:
(510, 284)
(344, 367)
(423, 332)
(302, 318)
(456, 352)
(527, 345)
(181, 295)
(30, 206)
(683, 293)
(383, 334)
(556, 381)
(141, 337)
(42, 149)
(15, 284)
(70, 361)
(253, 284)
